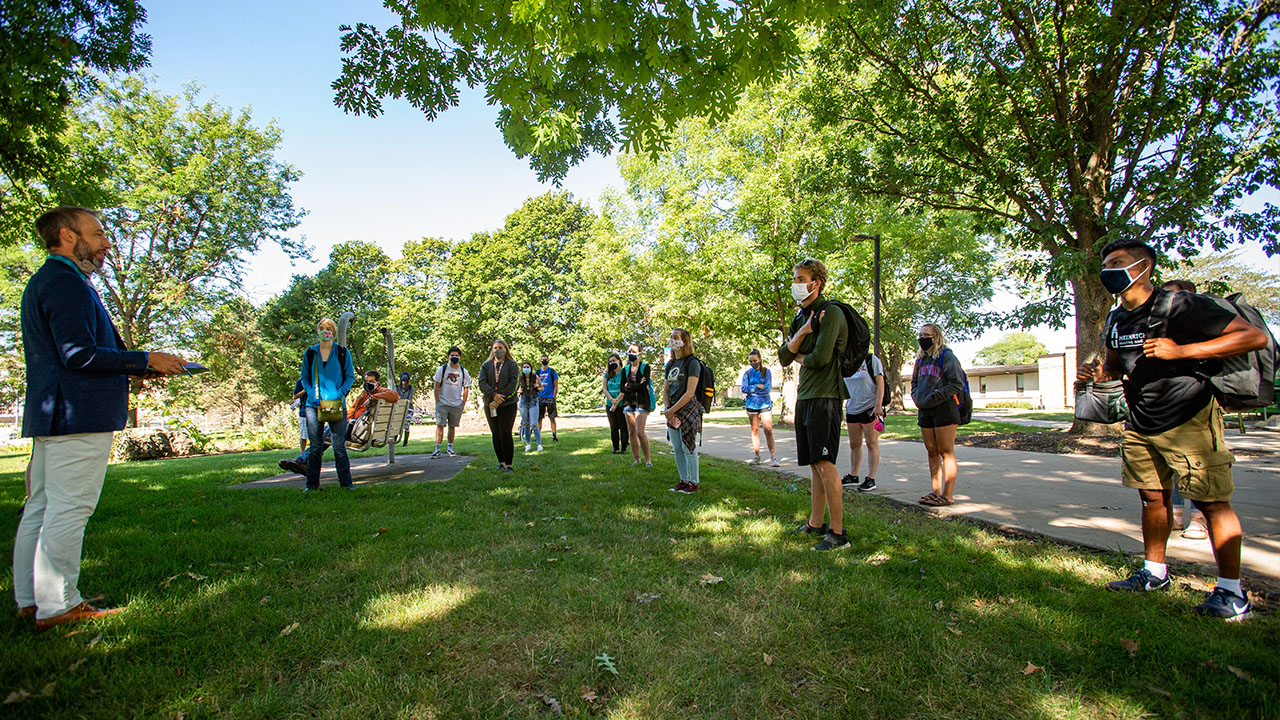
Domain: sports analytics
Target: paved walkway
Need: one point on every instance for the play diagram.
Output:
(372, 470)
(1077, 498)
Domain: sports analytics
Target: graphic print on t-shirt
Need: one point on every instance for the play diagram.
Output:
(548, 376)
(1116, 341)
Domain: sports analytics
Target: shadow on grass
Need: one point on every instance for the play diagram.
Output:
(492, 594)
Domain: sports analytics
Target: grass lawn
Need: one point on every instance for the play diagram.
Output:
(1041, 415)
(896, 427)
(500, 595)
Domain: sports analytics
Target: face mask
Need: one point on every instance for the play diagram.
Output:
(368, 386)
(926, 343)
(545, 362)
(755, 363)
(453, 359)
(526, 369)
(613, 366)
(632, 357)
(1117, 280)
(800, 291)
(677, 345)
(499, 353)
(326, 335)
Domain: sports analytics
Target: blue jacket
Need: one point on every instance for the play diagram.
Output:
(336, 375)
(757, 398)
(76, 361)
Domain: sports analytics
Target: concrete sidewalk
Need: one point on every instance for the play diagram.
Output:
(1076, 498)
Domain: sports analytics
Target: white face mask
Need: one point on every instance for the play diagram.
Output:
(677, 345)
(800, 291)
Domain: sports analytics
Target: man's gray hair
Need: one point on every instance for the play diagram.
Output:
(50, 224)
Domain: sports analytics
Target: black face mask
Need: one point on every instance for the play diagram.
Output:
(453, 359)
(613, 366)
(545, 362)
(632, 357)
(369, 387)
(925, 343)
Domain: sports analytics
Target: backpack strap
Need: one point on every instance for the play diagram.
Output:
(1161, 309)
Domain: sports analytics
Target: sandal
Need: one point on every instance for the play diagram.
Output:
(937, 501)
(928, 498)
(1196, 531)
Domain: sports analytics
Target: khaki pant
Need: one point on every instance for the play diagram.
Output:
(1193, 454)
(66, 479)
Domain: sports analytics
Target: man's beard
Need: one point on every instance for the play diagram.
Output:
(85, 259)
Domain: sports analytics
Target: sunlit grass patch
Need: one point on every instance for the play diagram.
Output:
(408, 610)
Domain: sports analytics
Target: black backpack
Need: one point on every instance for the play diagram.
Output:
(310, 358)
(706, 391)
(1240, 382)
(859, 344)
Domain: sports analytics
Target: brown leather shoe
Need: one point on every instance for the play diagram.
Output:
(26, 612)
(83, 611)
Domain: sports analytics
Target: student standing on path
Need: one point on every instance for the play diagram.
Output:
(936, 384)
(530, 386)
(1174, 431)
(498, 385)
(637, 402)
(863, 414)
(550, 380)
(757, 388)
(1195, 527)
(816, 340)
(612, 390)
(684, 410)
(77, 397)
(328, 376)
(405, 391)
(452, 386)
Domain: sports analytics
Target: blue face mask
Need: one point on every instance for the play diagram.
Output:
(1117, 280)
(526, 370)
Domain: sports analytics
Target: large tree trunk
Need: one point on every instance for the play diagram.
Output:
(1092, 303)
(893, 362)
(135, 387)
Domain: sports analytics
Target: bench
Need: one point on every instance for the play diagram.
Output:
(387, 421)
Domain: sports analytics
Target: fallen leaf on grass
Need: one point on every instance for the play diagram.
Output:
(17, 696)
(47, 690)
(768, 659)
(709, 579)
(1005, 601)
(645, 598)
(1240, 673)
(1159, 691)
(288, 629)
(1030, 669)
(938, 605)
(166, 581)
(196, 577)
(552, 704)
(1130, 646)
(265, 599)
(877, 559)
(96, 639)
(589, 695)
(76, 665)
(955, 631)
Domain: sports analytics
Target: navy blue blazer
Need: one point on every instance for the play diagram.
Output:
(77, 365)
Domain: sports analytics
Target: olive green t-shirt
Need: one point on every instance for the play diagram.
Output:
(820, 372)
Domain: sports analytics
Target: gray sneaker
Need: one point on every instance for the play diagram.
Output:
(832, 541)
(805, 528)
(1141, 581)
(868, 483)
(1226, 605)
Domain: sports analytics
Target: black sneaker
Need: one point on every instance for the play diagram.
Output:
(849, 480)
(868, 483)
(555, 437)
(832, 541)
(1141, 581)
(806, 528)
(1226, 605)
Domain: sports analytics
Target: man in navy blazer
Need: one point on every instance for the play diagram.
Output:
(77, 396)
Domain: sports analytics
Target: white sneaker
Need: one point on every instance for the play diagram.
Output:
(526, 447)
(539, 447)
(773, 461)
(754, 461)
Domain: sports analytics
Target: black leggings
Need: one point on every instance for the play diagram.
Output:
(500, 427)
(618, 431)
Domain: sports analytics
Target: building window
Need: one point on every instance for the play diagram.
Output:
(1022, 383)
(982, 386)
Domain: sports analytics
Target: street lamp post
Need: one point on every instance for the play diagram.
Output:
(876, 299)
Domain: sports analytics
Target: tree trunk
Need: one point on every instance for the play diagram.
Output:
(135, 387)
(893, 362)
(1092, 303)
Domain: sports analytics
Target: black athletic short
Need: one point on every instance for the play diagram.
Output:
(818, 429)
(865, 417)
(546, 408)
(948, 413)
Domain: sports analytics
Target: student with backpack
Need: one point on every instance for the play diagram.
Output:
(1168, 349)
(757, 389)
(529, 388)
(452, 385)
(637, 402)
(937, 389)
(817, 341)
(683, 409)
(864, 417)
(612, 391)
(327, 376)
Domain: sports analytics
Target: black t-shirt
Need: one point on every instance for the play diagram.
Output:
(678, 373)
(1163, 394)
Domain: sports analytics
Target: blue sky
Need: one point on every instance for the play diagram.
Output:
(388, 179)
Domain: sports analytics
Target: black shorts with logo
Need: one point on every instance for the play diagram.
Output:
(948, 413)
(546, 408)
(818, 424)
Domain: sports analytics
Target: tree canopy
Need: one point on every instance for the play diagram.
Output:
(1015, 348)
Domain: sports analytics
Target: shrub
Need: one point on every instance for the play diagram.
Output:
(730, 402)
(134, 444)
(1010, 404)
(280, 430)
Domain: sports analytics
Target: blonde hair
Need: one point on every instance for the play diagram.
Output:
(939, 342)
(327, 324)
(687, 350)
(505, 346)
(817, 271)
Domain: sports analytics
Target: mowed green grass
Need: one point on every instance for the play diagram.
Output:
(493, 595)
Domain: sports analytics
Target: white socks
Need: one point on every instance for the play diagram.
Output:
(1230, 585)
(1159, 571)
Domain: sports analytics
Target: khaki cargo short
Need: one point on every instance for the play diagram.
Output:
(1194, 455)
